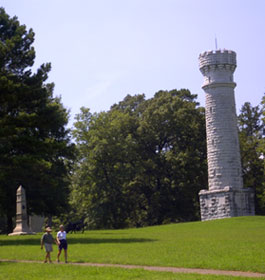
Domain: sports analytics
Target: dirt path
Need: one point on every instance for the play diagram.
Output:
(159, 268)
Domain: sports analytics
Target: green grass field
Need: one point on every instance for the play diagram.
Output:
(228, 244)
(19, 271)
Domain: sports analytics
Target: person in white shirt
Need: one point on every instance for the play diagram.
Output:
(62, 243)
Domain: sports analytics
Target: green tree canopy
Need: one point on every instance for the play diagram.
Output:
(141, 163)
(251, 136)
(35, 146)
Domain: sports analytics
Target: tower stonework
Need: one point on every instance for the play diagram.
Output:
(226, 196)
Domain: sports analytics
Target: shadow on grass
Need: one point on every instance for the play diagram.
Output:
(71, 240)
(24, 241)
(108, 240)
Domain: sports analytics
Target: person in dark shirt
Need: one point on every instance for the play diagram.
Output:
(47, 240)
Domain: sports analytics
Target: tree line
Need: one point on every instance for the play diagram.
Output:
(140, 163)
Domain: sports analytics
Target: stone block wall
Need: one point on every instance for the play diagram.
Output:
(223, 153)
(226, 203)
(36, 223)
(217, 57)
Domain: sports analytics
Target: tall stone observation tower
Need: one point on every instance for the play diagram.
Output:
(226, 196)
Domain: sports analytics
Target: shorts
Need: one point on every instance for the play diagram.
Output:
(63, 244)
(48, 247)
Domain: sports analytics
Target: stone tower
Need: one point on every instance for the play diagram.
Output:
(226, 196)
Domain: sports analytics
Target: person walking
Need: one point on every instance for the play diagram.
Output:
(47, 240)
(62, 243)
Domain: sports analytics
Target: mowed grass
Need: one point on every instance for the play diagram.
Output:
(22, 271)
(228, 244)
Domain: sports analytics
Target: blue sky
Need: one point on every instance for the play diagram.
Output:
(102, 50)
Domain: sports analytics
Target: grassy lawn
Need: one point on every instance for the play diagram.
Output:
(228, 244)
(19, 271)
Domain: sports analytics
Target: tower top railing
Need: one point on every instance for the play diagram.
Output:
(217, 57)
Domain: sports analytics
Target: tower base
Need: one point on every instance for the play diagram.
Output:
(21, 233)
(21, 229)
(226, 203)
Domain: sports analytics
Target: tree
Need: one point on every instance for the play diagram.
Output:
(172, 132)
(35, 147)
(106, 155)
(251, 134)
(141, 163)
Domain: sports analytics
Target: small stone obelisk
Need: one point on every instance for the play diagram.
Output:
(21, 214)
(226, 196)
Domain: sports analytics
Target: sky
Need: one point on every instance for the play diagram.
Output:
(102, 50)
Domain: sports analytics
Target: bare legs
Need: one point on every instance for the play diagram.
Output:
(65, 255)
(48, 257)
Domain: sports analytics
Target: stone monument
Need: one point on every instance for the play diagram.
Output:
(226, 196)
(21, 214)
